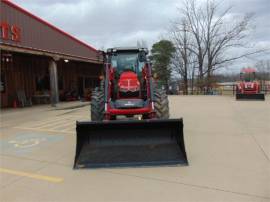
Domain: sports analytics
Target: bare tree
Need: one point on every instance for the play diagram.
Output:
(223, 35)
(192, 14)
(212, 35)
(181, 60)
(193, 66)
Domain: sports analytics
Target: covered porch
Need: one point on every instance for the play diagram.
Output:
(28, 79)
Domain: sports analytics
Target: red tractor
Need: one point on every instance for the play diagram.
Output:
(128, 88)
(130, 118)
(248, 88)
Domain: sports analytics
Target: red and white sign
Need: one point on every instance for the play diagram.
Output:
(10, 32)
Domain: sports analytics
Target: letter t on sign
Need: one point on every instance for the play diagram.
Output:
(4, 30)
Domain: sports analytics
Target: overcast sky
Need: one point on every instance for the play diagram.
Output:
(108, 23)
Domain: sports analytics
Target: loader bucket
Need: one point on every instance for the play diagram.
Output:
(130, 143)
(259, 96)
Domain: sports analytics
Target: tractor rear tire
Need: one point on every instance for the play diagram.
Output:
(161, 104)
(97, 105)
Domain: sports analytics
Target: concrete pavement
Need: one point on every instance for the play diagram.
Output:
(227, 144)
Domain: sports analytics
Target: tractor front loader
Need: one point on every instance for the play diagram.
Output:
(130, 123)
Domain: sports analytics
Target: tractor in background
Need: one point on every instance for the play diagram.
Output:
(248, 88)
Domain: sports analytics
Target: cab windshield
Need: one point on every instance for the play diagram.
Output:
(248, 77)
(126, 61)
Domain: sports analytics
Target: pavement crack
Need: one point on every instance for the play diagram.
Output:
(68, 112)
(262, 150)
(243, 118)
(189, 185)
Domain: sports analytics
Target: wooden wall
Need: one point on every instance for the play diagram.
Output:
(21, 72)
(72, 72)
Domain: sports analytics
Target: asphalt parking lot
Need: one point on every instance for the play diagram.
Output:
(227, 143)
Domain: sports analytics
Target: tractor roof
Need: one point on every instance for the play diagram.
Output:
(126, 49)
(248, 70)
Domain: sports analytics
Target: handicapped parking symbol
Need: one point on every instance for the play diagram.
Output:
(26, 143)
(23, 143)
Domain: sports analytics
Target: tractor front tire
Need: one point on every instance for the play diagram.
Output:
(161, 104)
(97, 105)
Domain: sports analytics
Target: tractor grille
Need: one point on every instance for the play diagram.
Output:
(129, 82)
(129, 94)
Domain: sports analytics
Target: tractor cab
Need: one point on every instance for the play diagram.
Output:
(128, 59)
(248, 74)
(127, 66)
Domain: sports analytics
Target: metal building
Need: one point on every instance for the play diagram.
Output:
(41, 63)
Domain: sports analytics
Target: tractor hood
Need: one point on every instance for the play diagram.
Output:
(249, 85)
(128, 82)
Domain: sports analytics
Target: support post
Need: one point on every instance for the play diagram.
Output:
(53, 82)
